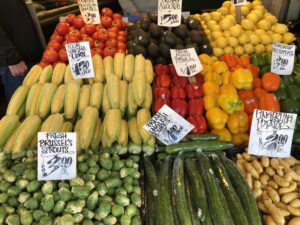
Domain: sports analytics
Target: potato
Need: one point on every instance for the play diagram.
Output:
(265, 161)
(270, 171)
(284, 164)
(250, 169)
(291, 161)
(249, 180)
(295, 203)
(293, 211)
(256, 184)
(246, 156)
(279, 172)
(288, 197)
(288, 189)
(264, 179)
(283, 208)
(262, 207)
(274, 163)
(256, 192)
(272, 184)
(294, 221)
(281, 181)
(275, 212)
(292, 174)
(274, 196)
(269, 220)
(257, 166)
(239, 156)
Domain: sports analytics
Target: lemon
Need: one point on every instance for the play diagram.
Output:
(258, 13)
(259, 32)
(226, 33)
(244, 10)
(269, 48)
(216, 16)
(248, 48)
(225, 23)
(218, 52)
(213, 44)
(247, 24)
(209, 37)
(248, 32)
(277, 37)
(235, 30)
(228, 49)
(232, 10)
(270, 32)
(253, 17)
(259, 49)
(226, 4)
(266, 39)
(249, 5)
(272, 19)
(204, 27)
(223, 10)
(256, 3)
(215, 28)
(254, 39)
(232, 18)
(216, 34)
(239, 50)
(233, 41)
(243, 39)
(205, 17)
(221, 42)
(288, 38)
(259, 8)
(211, 23)
(264, 25)
(280, 28)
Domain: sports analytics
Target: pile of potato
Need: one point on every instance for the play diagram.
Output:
(275, 184)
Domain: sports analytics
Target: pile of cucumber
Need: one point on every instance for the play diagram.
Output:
(197, 190)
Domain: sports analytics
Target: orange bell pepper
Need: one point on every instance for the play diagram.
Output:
(211, 88)
(228, 88)
(205, 59)
(270, 81)
(256, 82)
(245, 60)
(254, 69)
(220, 67)
(240, 139)
(238, 122)
(230, 59)
(258, 92)
(224, 134)
(210, 101)
(226, 77)
(268, 101)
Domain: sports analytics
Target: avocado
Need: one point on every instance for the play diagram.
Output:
(140, 50)
(155, 31)
(179, 46)
(153, 40)
(178, 40)
(130, 51)
(206, 48)
(187, 40)
(161, 60)
(144, 39)
(130, 44)
(193, 23)
(181, 31)
(196, 36)
(145, 23)
(193, 45)
(170, 38)
(164, 50)
(152, 16)
(152, 50)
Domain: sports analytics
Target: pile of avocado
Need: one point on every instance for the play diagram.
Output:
(154, 42)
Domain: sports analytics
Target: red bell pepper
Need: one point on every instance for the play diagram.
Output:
(172, 70)
(161, 69)
(200, 124)
(158, 103)
(199, 79)
(180, 106)
(194, 90)
(196, 107)
(178, 81)
(161, 93)
(163, 80)
(178, 93)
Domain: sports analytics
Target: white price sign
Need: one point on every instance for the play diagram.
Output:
(168, 126)
(90, 11)
(56, 156)
(283, 57)
(186, 62)
(239, 2)
(169, 13)
(80, 60)
(272, 133)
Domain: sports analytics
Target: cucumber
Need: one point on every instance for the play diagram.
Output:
(202, 137)
(178, 189)
(244, 192)
(198, 191)
(193, 211)
(235, 206)
(205, 146)
(215, 197)
(164, 193)
(150, 208)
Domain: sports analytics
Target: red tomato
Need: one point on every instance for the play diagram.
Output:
(98, 44)
(117, 16)
(114, 29)
(111, 43)
(62, 54)
(56, 37)
(78, 22)
(89, 29)
(106, 21)
(76, 33)
(95, 51)
(124, 25)
(50, 55)
(54, 45)
(121, 38)
(82, 30)
(109, 51)
(99, 27)
(62, 28)
(90, 40)
(121, 45)
(102, 35)
(43, 64)
(113, 34)
(70, 18)
(117, 24)
(122, 33)
(106, 12)
(121, 51)
(71, 38)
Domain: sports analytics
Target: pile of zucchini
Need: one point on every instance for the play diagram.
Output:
(198, 190)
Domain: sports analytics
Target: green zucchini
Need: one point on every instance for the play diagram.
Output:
(150, 208)
(198, 191)
(164, 193)
(219, 213)
(205, 146)
(244, 192)
(202, 137)
(235, 206)
(193, 211)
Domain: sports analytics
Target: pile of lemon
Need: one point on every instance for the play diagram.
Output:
(255, 34)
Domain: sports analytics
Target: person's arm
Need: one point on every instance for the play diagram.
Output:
(128, 7)
(9, 55)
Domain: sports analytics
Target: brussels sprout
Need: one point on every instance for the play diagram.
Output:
(38, 214)
(118, 165)
(136, 182)
(92, 163)
(46, 220)
(110, 220)
(30, 174)
(102, 189)
(90, 185)
(8, 209)
(93, 170)
(83, 167)
(67, 219)
(38, 195)
(76, 182)
(117, 210)
(80, 192)
(92, 200)
(64, 194)
(78, 217)
(87, 222)
(120, 191)
(103, 174)
(115, 174)
(75, 206)
(26, 217)
(31, 203)
(125, 220)
(105, 198)
(103, 210)
(137, 189)
(9, 176)
(128, 187)
(57, 221)
(113, 183)
(47, 203)
(135, 158)
(23, 196)
(88, 214)
(22, 183)
(56, 196)
(122, 200)
(3, 197)
(129, 163)
(82, 158)
(12, 219)
(106, 163)
(136, 220)
(135, 174)
(136, 199)
(64, 184)
(33, 186)
(4, 185)
(12, 201)
(124, 172)
(47, 187)
(3, 214)
(135, 166)
(127, 180)
(59, 207)
(18, 169)
(132, 210)
(88, 177)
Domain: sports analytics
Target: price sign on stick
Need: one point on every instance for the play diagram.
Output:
(168, 126)
(239, 2)
(56, 156)
(283, 57)
(80, 60)
(186, 62)
(90, 11)
(169, 13)
(271, 133)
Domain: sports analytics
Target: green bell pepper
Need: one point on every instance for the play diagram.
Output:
(288, 80)
(296, 79)
(261, 60)
(254, 60)
(268, 58)
(265, 69)
(293, 91)
(296, 137)
(290, 106)
(297, 127)
(281, 94)
(296, 69)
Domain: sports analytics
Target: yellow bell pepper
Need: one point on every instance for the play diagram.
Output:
(227, 89)
(213, 77)
(242, 79)
(230, 102)
(240, 139)
(238, 122)
(205, 59)
(224, 134)
(210, 101)
(216, 118)
(211, 88)
(206, 68)
(214, 58)
(219, 67)
(226, 77)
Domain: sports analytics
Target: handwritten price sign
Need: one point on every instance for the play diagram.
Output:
(239, 2)
(56, 156)
(90, 11)
(169, 13)
(186, 62)
(283, 58)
